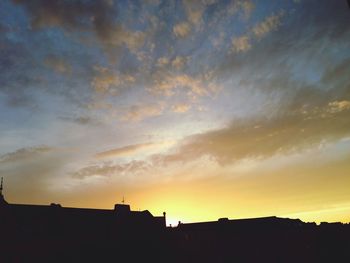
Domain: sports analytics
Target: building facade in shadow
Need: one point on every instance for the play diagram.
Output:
(52, 233)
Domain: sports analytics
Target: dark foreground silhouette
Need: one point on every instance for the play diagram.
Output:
(38, 233)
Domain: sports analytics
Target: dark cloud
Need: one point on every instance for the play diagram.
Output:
(45, 60)
(80, 16)
(81, 120)
(15, 76)
(338, 76)
(307, 32)
(72, 15)
(33, 66)
(58, 64)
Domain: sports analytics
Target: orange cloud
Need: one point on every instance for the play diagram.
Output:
(182, 30)
(181, 108)
(241, 44)
(260, 30)
(247, 6)
(269, 24)
(338, 106)
(140, 112)
(107, 81)
(162, 61)
(168, 85)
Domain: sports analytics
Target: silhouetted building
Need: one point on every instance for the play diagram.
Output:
(52, 233)
(64, 234)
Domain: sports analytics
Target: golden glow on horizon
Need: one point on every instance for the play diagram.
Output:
(293, 192)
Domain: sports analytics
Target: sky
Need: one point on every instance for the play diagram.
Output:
(203, 109)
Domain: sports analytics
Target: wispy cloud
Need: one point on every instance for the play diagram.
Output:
(25, 154)
(32, 170)
(82, 120)
(125, 151)
(110, 169)
(264, 138)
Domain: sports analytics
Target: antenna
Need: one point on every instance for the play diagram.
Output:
(2, 180)
(123, 201)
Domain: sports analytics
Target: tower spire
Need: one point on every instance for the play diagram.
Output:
(2, 180)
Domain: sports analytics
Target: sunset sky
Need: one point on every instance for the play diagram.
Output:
(203, 109)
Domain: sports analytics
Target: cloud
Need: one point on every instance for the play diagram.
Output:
(218, 40)
(247, 6)
(260, 30)
(179, 62)
(338, 106)
(263, 138)
(241, 44)
(269, 24)
(25, 154)
(111, 169)
(180, 108)
(58, 64)
(134, 149)
(107, 81)
(338, 76)
(169, 85)
(17, 72)
(194, 10)
(125, 151)
(99, 17)
(120, 36)
(162, 61)
(142, 111)
(71, 15)
(81, 120)
(182, 29)
(31, 171)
